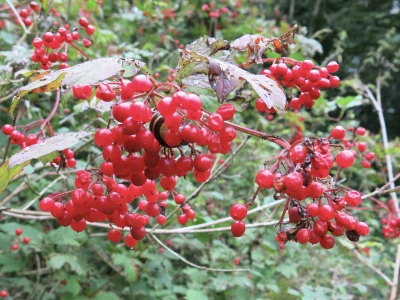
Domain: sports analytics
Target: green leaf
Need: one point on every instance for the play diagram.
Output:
(64, 236)
(195, 295)
(106, 296)
(127, 263)
(10, 263)
(44, 82)
(72, 287)
(45, 5)
(49, 157)
(96, 70)
(55, 143)
(7, 174)
(349, 101)
(57, 261)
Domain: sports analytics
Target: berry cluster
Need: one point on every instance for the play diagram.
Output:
(24, 13)
(304, 76)
(215, 13)
(24, 140)
(47, 49)
(144, 145)
(306, 175)
(391, 229)
(25, 240)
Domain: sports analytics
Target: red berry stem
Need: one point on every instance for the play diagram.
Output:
(284, 212)
(80, 51)
(253, 198)
(52, 113)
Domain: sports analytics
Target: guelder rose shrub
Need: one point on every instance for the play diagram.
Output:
(159, 132)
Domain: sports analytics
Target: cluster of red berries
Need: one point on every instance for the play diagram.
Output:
(306, 78)
(25, 240)
(24, 13)
(391, 229)
(140, 148)
(217, 12)
(25, 140)
(362, 147)
(308, 164)
(47, 48)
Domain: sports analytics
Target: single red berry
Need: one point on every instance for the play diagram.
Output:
(345, 159)
(130, 241)
(238, 211)
(7, 129)
(161, 219)
(90, 29)
(18, 231)
(353, 198)
(82, 91)
(3, 293)
(105, 92)
(26, 240)
(86, 43)
(142, 83)
(326, 212)
(183, 219)
(313, 209)
(114, 235)
(334, 81)
(83, 22)
(293, 180)
(361, 131)
(303, 236)
(327, 242)
(238, 228)
(226, 111)
(366, 164)
(332, 67)
(338, 133)
(202, 163)
(46, 204)
(362, 228)
(315, 189)
(14, 247)
(265, 179)
(215, 122)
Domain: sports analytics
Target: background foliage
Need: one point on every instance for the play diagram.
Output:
(59, 263)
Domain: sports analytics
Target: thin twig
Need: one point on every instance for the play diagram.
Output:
(194, 265)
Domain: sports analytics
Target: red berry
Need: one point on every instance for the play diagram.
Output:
(83, 22)
(326, 212)
(315, 189)
(90, 29)
(7, 129)
(18, 231)
(334, 81)
(332, 67)
(362, 228)
(238, 211)
(303, 236)
(26, 240)
(142, 83)
(265, 179)
(226, 111)
(183, 219)
(353, 198)
(103, 137)
(238, 228)
(114, 235)
(202, 163)
(105, 92)
(46, 204)
(338, 133)
(313, 209)
(293, 181)
(345, 159)
(215, 122)
(14, 247)
(361, 131)
(82, 91)
(327, 242)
